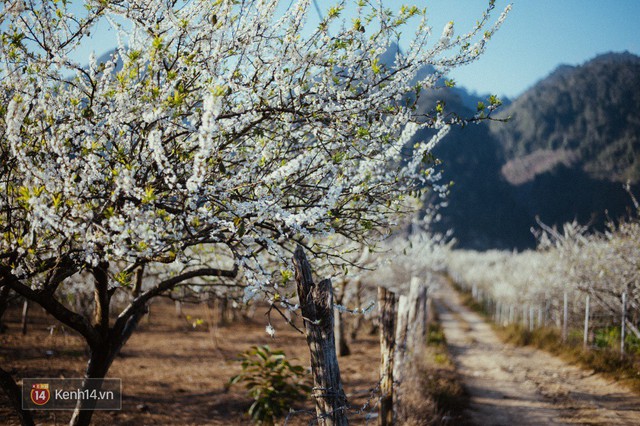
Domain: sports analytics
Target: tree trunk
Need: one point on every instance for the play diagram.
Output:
(341, 339)
(357, 320)
(223, 311)
(316, 304)
(104, 352)
(4, 303)
(25, 316)
(386, 308)
(15, 398)
(101, 298)
(100, 360)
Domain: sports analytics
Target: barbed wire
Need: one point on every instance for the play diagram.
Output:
(366, 410)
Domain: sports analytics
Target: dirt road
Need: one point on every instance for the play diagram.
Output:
(525, 386)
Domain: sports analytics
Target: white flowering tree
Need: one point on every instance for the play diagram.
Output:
(568, 265)
(220, 123)
(602, 265)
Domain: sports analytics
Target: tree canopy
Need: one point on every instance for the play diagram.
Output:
(221, 124)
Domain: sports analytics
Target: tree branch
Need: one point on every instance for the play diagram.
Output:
(75, 321)
(139, 302)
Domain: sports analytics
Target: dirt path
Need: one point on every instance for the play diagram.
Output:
(525, 386)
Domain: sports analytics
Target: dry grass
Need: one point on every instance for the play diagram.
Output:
(624, 369)
(434, 394)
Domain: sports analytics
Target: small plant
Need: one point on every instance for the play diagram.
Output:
(272, 381)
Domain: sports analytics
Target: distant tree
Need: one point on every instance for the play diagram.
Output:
(216, 124)
(570, 262)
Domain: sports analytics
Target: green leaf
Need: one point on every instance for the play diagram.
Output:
(157, 43)
(272, 381)
(375, 66)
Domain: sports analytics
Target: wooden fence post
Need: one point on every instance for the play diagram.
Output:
(401, 336)
(623, 323)
(316, 304)
(424, 300)
(540, 316)
(585, 342)
(532, 318)
(387, 312)
(400, 353)
(410, 332)
(416, 320)
(565, 317)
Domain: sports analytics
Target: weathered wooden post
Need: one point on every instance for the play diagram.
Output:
(585, 341)
(401, 335)
(565, 317)
(316, 304)
(410, 331)
(421, 314)
(387, 312)
(415, 324)
(623, 322)
(531, 318)
(540, 316)
(400, 352)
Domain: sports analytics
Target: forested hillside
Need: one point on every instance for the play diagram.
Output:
(571, 141)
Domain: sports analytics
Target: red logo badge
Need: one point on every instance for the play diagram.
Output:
(40, 394)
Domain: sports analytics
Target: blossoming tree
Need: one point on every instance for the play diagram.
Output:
(221, 124)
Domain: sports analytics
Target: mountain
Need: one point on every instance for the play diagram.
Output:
(589, 112)
(570, 143)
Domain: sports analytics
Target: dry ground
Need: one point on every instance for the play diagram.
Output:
(511, 385)
(171, 372)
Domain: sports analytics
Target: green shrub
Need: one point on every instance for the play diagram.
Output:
(272, 381)
(610, 338)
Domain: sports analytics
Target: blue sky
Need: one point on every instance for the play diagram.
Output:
(537, 36)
